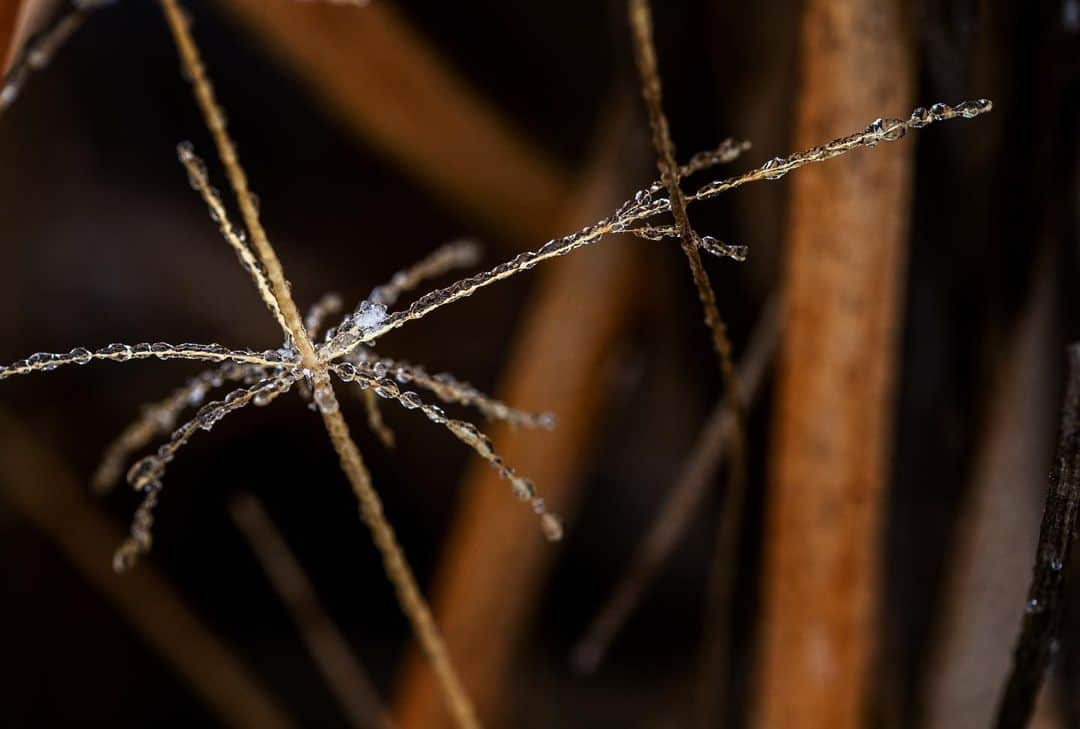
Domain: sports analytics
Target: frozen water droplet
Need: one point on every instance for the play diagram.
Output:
(643, 197)
(124, 558)
(325, 400)
(410, 400)
(144, 472)
(773, 164)
(550, 247)
(386, 388)
(346, 371)
(435, 413)
(523, 488)
(209, 415)
(919, 118)
(185, 151)
(525, 261)
(552, 527)
(1033, 606)
(890, 130)
(724, 250)
(42, 360)
(971, 109)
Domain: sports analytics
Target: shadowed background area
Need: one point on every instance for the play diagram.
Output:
(372, 135)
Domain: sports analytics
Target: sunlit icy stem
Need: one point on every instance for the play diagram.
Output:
(159, 417)
(352, 463)
(446, 258)
(880, 130)
(644, 206)
(450, 390)
(236, 237)
(41, 48)
(728, 151)
(464, 431)
(147, 473)
(45, 361)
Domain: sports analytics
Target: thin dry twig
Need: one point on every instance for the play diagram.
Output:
(713, 443)
(352, 463)
(329, 649)
(273, 372)
(652, 92)
(1037, 642)
(720, 584)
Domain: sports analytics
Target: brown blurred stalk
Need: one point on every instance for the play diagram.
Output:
(698, 474)
(50, 498)
(844, 270)
(384, 82)
(18, 20)
(8, 12)
(329, 649)
(495, 561)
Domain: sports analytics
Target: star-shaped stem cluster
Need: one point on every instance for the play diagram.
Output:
(346, 350)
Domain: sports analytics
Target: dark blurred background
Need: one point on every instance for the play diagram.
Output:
(104, 241)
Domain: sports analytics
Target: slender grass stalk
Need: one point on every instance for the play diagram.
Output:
(652, 91)
(352, 463)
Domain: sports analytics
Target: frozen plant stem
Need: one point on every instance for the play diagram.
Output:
(652, 92)
(721, 583)
(397, 568)
(1039, 629)
(347, 346)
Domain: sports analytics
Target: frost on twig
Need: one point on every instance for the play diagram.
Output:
(346, 349)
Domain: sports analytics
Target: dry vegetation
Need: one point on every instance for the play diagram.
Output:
(838, 289)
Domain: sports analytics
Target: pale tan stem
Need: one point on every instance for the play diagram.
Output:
(397, 568)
